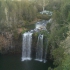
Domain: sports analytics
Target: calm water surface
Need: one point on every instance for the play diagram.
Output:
(13, 62)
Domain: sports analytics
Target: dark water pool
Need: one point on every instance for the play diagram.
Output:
(13, 62)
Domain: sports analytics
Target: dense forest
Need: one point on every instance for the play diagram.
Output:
(16, 17)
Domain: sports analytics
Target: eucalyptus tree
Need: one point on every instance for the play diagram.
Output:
(2, 15)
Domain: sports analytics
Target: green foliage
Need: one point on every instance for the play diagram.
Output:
(58, 55)
(29, 12)
(48, 27)
(58, 33)
(43, 16)
(68, 19)
(2, 10)
(29, 26)
(66, 63)
(53, 5)
(66, 9)
(14, 13)
(57, 17)
(45, 33)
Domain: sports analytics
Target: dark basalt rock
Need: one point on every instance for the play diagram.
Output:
(10, 44)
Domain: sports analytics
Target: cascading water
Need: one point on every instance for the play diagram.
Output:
(26, 46)
(27, 42)
(39, 49)
(45, 51)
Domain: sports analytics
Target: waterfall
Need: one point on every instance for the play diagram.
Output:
(26, 46)
(45, 51)
(39, 49)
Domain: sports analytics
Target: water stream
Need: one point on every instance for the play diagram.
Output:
(26, 46)
(39, 49)
(27, 43)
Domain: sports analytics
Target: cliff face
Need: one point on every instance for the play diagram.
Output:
(10, 42)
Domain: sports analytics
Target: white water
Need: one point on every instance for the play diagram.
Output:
(27, 42)
(26, 46)
(45, 51)
(41, 25)
(39, 49)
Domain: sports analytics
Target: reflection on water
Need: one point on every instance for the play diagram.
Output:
(14, 62)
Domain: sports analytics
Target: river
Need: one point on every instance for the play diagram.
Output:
(13, 62)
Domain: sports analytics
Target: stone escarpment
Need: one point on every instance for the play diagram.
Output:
(10, 42)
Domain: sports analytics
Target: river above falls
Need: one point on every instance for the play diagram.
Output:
(13, 62)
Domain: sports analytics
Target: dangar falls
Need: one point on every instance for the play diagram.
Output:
(40, 53)
(34, 53)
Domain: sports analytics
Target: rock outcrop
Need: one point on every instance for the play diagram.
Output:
(10, 42)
